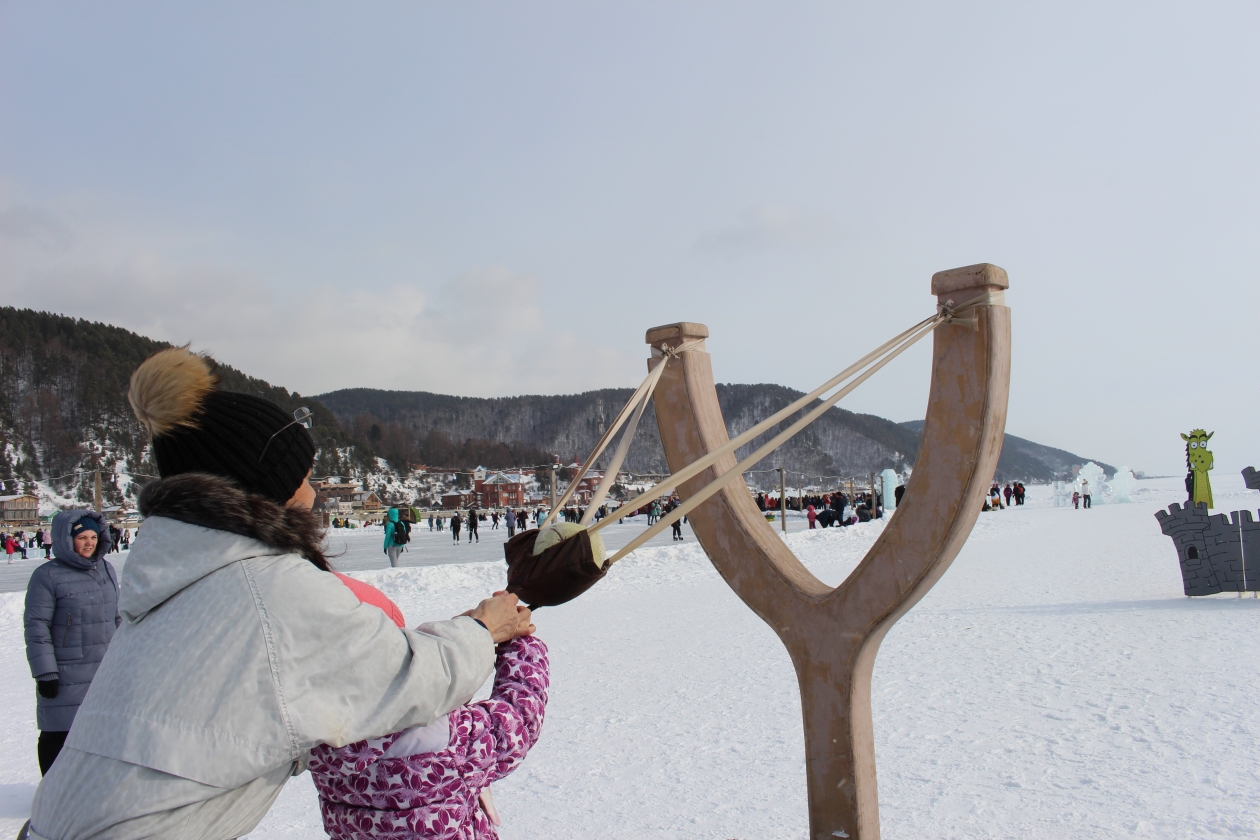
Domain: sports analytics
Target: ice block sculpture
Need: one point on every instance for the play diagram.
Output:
(1122, 485)
(1060, 494)
(888, 480)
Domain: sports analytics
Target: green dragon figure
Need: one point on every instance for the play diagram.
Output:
(1199, 460)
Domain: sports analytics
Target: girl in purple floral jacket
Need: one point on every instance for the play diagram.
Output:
(433, 781)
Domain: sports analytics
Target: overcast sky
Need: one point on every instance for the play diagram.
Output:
(495, 199)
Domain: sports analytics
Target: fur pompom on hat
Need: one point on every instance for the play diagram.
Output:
(195, 427)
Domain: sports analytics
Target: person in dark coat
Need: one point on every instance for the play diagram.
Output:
(71, 614)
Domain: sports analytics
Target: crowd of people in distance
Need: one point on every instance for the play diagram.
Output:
(1000, 497)
(828, 509)
(398, 521)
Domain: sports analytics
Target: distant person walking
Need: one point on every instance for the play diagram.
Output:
(10, 546)
(430, 521)
(472, 525)
(494, 520)
(838, 502)
(46, 539)
(397, 535)
(509, 519)
(1085, 499)
(1076, 500)
(71, 614)
(455, 523)
(1008, 492)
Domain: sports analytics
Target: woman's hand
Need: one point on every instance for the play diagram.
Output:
(503, 616)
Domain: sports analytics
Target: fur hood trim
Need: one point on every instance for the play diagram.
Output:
(211, 501)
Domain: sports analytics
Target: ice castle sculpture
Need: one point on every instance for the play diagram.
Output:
(1122, 485)
(1217, 553)
(1097, 479)
(1060, 494)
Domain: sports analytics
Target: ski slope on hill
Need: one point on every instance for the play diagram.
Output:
(1055, 683)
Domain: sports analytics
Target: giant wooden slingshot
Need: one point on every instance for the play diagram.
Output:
(832, 635)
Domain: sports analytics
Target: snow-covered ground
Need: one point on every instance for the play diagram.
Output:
(1055, 683)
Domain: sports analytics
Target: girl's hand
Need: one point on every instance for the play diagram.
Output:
(487, 804)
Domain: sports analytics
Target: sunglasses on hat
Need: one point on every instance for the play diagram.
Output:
(302, 417)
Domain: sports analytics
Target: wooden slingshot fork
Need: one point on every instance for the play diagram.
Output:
(833, 635)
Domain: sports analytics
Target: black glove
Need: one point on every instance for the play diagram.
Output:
(47, 688)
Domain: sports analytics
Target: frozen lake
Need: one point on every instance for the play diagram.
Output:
(1055, 683)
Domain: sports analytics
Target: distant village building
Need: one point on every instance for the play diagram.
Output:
(458, 499)
(500, 490)
(586, 487)
(120, 513)
(346, 499)
(328, 493)
(20, 511)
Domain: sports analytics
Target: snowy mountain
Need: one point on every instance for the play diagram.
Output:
(839, 444)
(1024, 460)
(64, 413)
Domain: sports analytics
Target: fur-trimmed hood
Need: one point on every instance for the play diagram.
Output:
(63, 543)
(227, 525)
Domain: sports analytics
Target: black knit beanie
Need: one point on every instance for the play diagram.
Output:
(196, 428)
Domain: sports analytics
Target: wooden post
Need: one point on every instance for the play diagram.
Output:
(833, 635)
(782, 501)
(97, 474)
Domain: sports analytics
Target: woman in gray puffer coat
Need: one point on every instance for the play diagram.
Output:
(71, 614)
(239, 650)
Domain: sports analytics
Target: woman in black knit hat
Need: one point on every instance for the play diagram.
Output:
(238, 651)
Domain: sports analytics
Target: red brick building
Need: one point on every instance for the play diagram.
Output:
(501, 490)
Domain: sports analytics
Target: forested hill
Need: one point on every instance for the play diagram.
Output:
(63, 410)
(63, 405)
(414, 425)
(422, 427)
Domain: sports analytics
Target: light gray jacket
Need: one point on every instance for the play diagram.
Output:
(235, 658)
